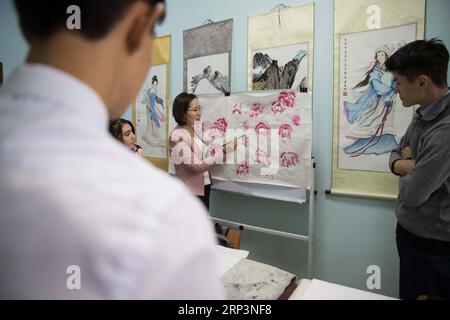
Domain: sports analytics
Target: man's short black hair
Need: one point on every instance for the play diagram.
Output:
(41, 19)
(180, 107)
(429, 58)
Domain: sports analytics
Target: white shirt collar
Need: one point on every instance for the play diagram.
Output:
(43, 82)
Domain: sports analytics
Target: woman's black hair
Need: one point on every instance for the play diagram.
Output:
(155, 78)
(115, 128)
(181, 106)
(366, 79)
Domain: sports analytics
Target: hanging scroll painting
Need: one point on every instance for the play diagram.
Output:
(280, 47)
(207, 58)
(150, 114)
(208, 74)
(281, 68)
(372, 119)
(369, 119)
(274, 145)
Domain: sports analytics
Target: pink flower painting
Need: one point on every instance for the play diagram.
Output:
(244, 141)
(285, 131)
(278, 107)
(242, 169)
(286, 99)
(255, 110)
(261, 158)
(296, 120)
(237, 109)
(219, 128)
(262, 128)
(214, 148)
(289, 159)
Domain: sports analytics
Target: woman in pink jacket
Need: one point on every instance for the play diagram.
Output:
(188, 152)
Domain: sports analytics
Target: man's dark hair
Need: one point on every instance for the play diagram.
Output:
(41, 19)
(115, 128)
(429, 58)
(181, 106)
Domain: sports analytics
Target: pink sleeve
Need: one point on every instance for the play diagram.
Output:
(182, 155)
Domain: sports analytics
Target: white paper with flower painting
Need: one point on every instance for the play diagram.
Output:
(275, 133)
(372, 118)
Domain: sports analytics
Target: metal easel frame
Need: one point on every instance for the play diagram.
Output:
(310, 237)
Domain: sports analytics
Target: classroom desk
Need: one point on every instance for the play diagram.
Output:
(321, 290)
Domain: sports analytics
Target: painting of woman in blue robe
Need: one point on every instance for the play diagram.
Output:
(370, 115)
(155, 115)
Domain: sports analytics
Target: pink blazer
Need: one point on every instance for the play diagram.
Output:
(189, 162)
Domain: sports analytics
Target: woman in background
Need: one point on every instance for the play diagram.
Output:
(123, 130)
(193, 161)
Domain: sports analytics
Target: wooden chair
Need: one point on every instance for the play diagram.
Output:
(234, 238)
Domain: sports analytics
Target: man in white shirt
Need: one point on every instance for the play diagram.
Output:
(81, 216)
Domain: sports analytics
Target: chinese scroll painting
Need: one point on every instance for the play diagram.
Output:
(372, 119)
(151, 113)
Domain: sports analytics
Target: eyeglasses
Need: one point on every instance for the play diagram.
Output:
(199, 109)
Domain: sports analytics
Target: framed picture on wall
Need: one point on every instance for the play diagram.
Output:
(207, 58)
(150, 107)
(284, 67)
(150, 110)
(209, 74)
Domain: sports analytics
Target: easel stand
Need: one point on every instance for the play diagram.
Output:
(263, 192)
